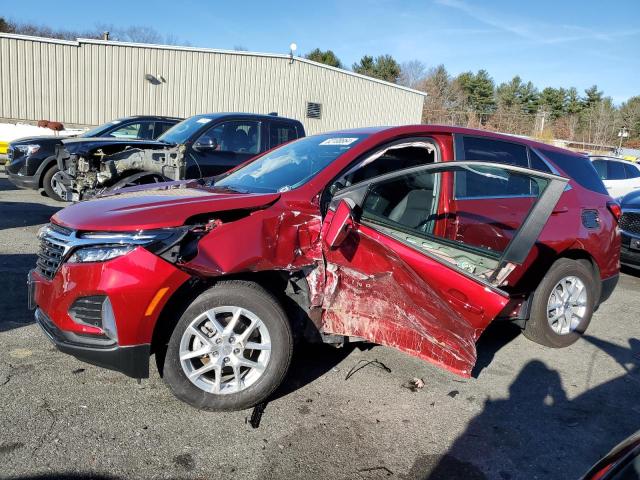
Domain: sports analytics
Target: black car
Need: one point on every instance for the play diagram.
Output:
(630, 230)
(200, 146)
(621, 463)
(32, 161)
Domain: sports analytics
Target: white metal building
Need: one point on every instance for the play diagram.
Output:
(88, 82)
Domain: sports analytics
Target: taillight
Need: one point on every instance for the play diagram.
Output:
(615, 209)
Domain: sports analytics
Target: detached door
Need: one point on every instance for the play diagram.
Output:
(392, 280)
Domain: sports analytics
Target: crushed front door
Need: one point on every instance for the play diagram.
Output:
(391, 280)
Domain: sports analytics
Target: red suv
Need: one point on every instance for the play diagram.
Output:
(369, 234)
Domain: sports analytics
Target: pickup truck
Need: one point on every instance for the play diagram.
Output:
(200, 146)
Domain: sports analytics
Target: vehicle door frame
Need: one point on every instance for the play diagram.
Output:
(524, 238)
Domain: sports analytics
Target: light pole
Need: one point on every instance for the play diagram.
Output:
(623, 133)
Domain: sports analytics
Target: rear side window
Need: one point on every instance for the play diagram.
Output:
(282, 133)
(489, 150)
(615, 171)
(601, 168)
(162, 127)
(578, 168)
(631, 170)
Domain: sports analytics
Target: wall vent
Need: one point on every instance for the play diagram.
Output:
(314, 110)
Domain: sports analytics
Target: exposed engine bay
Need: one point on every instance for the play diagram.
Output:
(96, 169)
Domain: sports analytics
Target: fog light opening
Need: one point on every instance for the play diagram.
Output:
(109, 321)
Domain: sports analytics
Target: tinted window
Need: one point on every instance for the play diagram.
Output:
(538, 163)
(578, 168)
(631, 170)
(282, 133)
(601, 168)
(236, 136)
(489, 150)
(162, 127)
(615, 171)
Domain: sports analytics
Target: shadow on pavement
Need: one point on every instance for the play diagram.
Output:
(13, 290)
(538, 431)
(5, 184)
(23, 214)
(495, 337)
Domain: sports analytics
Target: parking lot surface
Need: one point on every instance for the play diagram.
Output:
(529, 411)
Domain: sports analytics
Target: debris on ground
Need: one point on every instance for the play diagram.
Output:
(364, 363)
(414, 384)
(256, 415)
(453, 393)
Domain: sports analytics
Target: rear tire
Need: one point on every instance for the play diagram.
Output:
(562, 305)
(48, 183)
(216, 363)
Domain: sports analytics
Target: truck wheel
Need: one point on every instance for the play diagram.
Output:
(51, 184)
(562, 304)
(230, 349)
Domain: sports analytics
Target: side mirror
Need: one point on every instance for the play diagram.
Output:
(204, 145)
(341, 223)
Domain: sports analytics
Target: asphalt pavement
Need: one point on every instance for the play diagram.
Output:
(528, 412)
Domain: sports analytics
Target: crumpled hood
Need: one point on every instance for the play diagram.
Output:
(144, 208)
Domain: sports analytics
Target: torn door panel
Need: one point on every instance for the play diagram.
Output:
(377, 294)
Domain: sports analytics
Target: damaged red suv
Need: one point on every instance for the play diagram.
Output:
(369, 234)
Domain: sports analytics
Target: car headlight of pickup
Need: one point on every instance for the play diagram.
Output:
(103, 246)
(27, 150)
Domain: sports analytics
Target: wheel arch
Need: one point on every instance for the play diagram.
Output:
(46, 165)
(290, 288)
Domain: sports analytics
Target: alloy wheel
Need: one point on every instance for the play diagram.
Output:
(567, 305)
(225, 350)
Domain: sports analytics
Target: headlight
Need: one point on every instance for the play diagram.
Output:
(27, 149)
(104, 246)
(99, 254)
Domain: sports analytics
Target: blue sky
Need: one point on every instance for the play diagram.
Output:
(550, 42)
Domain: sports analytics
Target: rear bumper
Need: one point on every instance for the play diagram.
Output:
(24, 181)
(133, 361)
(608, 286)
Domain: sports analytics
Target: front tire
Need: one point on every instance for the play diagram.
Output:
(230, 349)
(562, 304)
(50, 184)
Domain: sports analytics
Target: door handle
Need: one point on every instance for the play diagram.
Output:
(459, 299)
(560, 210)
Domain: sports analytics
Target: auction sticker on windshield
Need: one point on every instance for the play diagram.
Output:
(338, 141)
(203, 120)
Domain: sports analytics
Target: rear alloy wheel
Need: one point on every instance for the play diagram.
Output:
(562, 304)
(230, 350)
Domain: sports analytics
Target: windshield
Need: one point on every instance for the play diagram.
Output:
(291, 165)
(183, 131)
(100, 129)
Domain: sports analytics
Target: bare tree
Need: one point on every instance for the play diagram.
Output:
(412, 74)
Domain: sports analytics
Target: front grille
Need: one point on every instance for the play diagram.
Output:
(630, 222)
(88, 310)
(54, 245)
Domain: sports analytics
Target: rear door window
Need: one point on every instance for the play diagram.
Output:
(161, 127)
(281, 132)
(615, 171)
(631, 170)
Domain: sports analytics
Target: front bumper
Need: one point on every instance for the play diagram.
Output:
(24, 181)
(133, 360)
(630, 249)
(138, 286)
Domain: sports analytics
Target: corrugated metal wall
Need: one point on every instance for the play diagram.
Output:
(90, 82)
